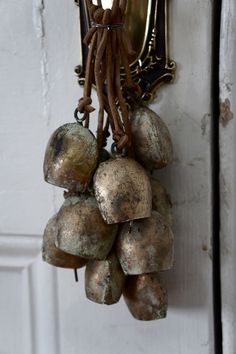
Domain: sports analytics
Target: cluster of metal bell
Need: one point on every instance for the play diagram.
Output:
(115, 220)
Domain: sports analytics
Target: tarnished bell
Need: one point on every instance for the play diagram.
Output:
(145, 297)
(53, 255)
(161, 201)
(82, 230)
(123, 190)
(71, 157)
(146, 246)
(103, 156)
(104, 280)
(151, 139)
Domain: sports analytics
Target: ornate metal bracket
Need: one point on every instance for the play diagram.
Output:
(151, 66)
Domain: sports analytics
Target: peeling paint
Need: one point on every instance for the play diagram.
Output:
(39, 26)
(204, 123)
(195, 160)
(225, 193)
(176, 160)
(38, 18)
(204, 247)
(194, 199)
(229, 86)
(207, 250)
(225, 113)
(210, 254)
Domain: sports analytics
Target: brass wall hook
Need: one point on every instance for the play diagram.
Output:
(147, 24)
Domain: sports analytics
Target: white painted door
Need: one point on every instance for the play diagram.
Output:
(42, 310)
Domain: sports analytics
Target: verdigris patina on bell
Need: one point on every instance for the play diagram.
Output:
(71, 157)
(104, 280)
(146, 246)
(151, 139)
(123, 190)
(82, 230)
(145, 297)
(52, 254)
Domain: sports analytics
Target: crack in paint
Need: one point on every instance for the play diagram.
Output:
(204, 123)
(39, 25)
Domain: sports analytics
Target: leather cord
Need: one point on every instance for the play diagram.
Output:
(109, 49)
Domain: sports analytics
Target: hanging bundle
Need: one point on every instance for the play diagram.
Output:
(109, 48)
(104, 191)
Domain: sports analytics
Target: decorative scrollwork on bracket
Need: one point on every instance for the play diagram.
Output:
(152, 66)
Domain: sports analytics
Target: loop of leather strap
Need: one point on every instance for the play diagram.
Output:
(109, 48)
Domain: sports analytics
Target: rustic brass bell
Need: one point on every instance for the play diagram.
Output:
(145, 297)
(104, 280)
(71, 157)
(53, 255)
(146, 246)
(161, 201)
(103, 156)
(123, 190)
(82, 230)
(151, 139)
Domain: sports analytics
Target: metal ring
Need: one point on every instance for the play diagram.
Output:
(114, 150)
(109, 27)
(124, 152)
(82, 119)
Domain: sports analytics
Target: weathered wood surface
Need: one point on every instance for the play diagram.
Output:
(39, 49)
(228, 173)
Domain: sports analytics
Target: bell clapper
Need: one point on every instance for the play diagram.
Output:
(130, 226)
(76, 275)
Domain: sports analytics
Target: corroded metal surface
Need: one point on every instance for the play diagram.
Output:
(104, 280)
(161, 201)
(123, 190)
(145, 297)
(82, 230)
(71, 157)
(151, 139)
(53, 255)
(146, 246)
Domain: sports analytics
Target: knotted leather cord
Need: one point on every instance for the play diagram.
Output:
(84, 105)
(109, 48)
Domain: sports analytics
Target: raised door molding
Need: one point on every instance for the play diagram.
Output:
(28, 298)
